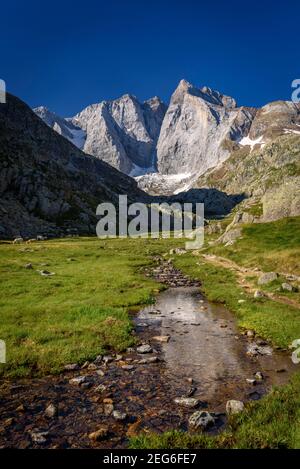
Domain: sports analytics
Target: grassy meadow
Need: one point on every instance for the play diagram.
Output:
(79, 312)
(84, 310)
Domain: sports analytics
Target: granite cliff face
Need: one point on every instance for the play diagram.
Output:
(47, 185)
(122, 132)
(196, 130)
(168, 149)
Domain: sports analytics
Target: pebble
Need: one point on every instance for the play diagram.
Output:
(39, 437)
(251, 381)
(71, 367)
(20, 408)
(98, 360)
(259, 294)
(86, 385)
(146, 361)
(100, 388)
(99, 434)
(259, 376)
(107, 358)
(146, 348)
(161, 338)
(51, 411)
(108, 408)
(92, 366)
(78, 380)
(117, 415)
(190, 402)
(127, 367)
(234, 407)
(201, 420)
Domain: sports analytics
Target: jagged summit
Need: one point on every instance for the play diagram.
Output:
(196, 132)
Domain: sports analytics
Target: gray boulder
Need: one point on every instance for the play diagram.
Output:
(201, 420)
(266, 278)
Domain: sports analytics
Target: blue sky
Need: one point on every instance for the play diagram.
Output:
(68, 54)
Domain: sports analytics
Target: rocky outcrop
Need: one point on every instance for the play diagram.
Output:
(47, 185)
(269, 174)
(282, 201)
(122, 132)
(199, 130)
(274, 119)
(62, 126)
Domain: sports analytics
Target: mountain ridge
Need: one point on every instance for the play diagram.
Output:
(195, 133)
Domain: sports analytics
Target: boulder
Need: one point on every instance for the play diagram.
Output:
(201, 420)
(267, 277)
(189, 402)
(146, 348)
(234, 407)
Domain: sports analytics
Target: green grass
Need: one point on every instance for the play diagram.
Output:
(79, 312)
(270, 246)
(84, 310)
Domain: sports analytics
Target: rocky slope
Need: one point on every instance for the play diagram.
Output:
(122, 132)
(47, 185)
(269, 175)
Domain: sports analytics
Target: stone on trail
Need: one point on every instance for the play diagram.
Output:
(267, 278)
(234, 407)
(146, 348)
(288, 287)
(201, 420)
(259, 294)
(189, 402)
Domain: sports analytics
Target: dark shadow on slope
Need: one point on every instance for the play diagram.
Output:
(217, 204)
